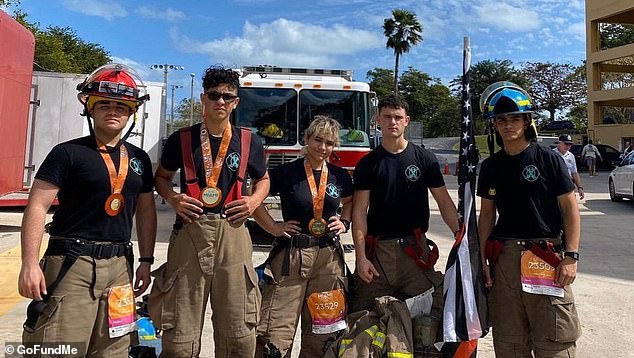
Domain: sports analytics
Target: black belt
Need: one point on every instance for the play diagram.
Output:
(72, 249)
(86, 248)
(302, 241)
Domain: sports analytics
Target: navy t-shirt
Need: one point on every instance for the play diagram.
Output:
(525, 188)
(78, 170)
(172, 160)
(290, 183)
(399, 199)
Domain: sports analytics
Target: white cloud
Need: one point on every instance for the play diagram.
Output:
(107, 10)
(284, 43)
(169, 14)
(507, 17)
(578, 31)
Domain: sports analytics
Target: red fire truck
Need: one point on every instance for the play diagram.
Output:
(278, 104)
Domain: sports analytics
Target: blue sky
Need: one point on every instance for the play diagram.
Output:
(344, 34)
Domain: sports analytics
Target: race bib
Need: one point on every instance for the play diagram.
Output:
(327, 311)
(121, 312)
(538, 277)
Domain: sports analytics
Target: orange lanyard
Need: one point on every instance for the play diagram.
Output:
(318, 195)
(117, 179)
(211, 195)
(114, 202)
(212, 171)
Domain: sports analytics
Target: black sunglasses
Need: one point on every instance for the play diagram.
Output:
(215, 96)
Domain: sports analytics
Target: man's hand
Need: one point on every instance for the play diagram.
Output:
(366, 270)
(142, 279)
(582, 193)
(566, 272)
(238, 211)
(188, 208)
(31, 283)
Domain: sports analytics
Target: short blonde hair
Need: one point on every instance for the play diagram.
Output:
(324, 126)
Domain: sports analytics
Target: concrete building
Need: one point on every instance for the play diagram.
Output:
(604, 62)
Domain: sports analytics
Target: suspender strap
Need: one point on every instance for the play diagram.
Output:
(547, 254)
(191, 180)
(245, 146)
(417, 252)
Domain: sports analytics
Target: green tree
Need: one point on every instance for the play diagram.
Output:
(431, 103)
(614, 35)
(381, 81)
(579, 116)
(485, 73)
(183, 110)
(59, 49)
(403, 30)
(555, 86)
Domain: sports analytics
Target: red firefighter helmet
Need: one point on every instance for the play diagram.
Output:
(114, 82)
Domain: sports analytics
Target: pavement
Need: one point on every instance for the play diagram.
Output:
(604, 288)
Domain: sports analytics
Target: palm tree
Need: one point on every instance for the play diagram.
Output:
(402, 31)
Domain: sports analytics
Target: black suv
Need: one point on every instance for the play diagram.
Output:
(608, 153)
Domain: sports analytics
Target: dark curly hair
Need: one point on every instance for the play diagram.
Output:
(216, 75)
(393, 101)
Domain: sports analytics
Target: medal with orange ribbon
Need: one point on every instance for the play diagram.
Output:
(211, 195)
(114, 202)
(317, 226)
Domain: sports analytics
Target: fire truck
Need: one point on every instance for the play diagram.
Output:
(279, 103)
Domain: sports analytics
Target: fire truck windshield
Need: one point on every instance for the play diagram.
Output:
(280, 115)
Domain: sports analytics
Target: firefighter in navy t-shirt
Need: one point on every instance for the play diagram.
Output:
(391, 215)
(530, 303)
(82, 290)
(209, 253)
(307, 269)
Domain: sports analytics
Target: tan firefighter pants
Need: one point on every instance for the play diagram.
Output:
(524, 322)
(207, 259)
(312, 269)
(400, 277)
(73, 316)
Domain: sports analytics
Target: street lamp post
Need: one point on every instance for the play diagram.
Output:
(174, 87)
(191, 101)
(165, 68)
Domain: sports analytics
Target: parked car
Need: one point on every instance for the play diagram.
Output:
(609, 156)
(621, 182)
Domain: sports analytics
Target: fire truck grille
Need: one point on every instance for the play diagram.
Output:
(276, 159)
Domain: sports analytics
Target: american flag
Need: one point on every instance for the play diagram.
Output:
(465, 310)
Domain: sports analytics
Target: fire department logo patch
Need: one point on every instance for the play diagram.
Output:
(530, 173)
(136, 165)
(412, 173)
(233, 161)
(332, 191)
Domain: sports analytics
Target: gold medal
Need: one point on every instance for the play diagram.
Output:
(210, 196)
(114, 204)
(317, 227)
